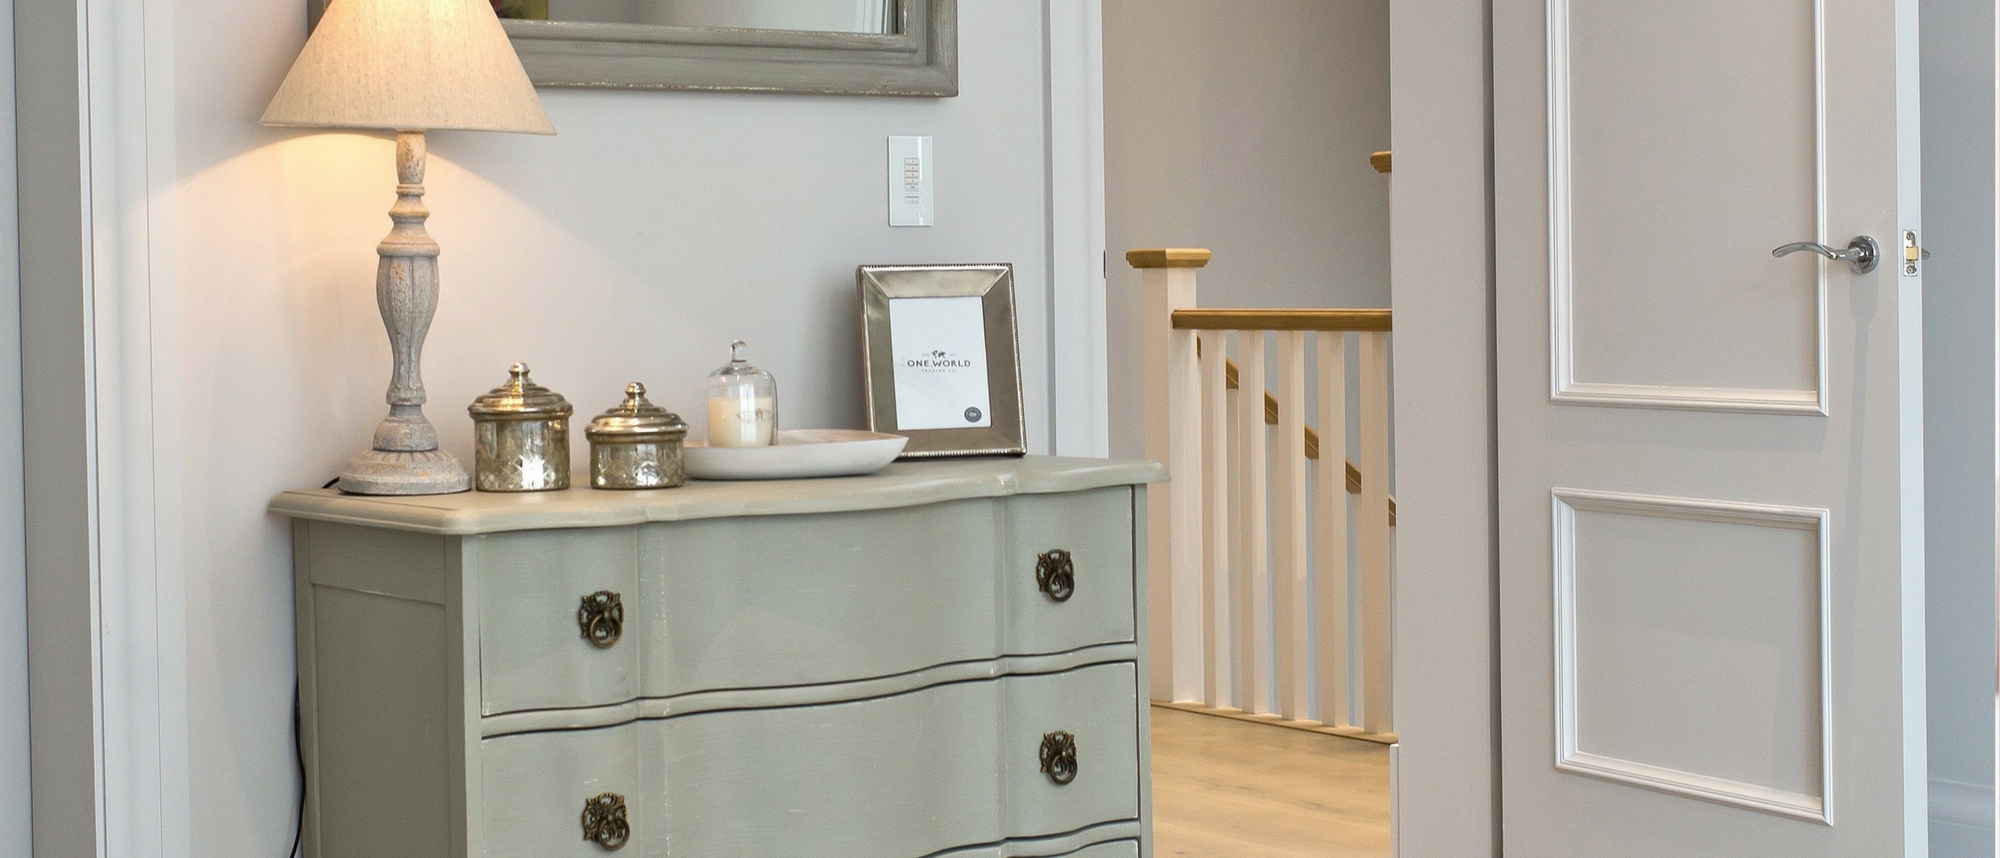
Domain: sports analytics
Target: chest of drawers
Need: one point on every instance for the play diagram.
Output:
(941, 659)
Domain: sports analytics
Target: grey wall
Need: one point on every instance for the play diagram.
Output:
(1959, 476)
(1446, 528)
(636, 244)
(1247, 134)
(15, 825)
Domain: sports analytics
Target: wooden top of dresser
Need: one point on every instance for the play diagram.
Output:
(900, 484)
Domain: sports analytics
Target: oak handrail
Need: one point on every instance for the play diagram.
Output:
(1206, 319)
(1380, 161)
(1168, 257)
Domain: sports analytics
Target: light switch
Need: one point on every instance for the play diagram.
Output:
(910, 202)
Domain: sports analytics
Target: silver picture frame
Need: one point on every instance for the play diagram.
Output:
(1004, 432)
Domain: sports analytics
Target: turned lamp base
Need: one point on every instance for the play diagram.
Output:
(406, 459)
(394, 472)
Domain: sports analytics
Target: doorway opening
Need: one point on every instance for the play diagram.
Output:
(1259, 137)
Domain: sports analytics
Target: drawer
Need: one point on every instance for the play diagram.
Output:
(803, 599)
(534, 788)
(771, 601)
(1120, 849)
(1112, 849)
(1095, 529)
(532, 652)
(912, 774)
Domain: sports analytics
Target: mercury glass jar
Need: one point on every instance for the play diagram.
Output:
(636, 445)
(520, 437)
(742, 404)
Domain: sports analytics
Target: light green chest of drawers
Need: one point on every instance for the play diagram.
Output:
(942, 659)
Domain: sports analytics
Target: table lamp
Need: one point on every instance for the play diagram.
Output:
(408, 66)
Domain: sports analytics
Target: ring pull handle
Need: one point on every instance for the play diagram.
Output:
(1055, 574)
(1861, 252)
(1059, 757)
(602, 618)
(604, 821)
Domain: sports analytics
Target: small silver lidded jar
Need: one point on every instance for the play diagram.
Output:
(636, 445)
(520, 437)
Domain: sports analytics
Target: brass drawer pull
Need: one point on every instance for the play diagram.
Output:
(602, 618)
(1059, 757)
(604, 821)
(1055, 573)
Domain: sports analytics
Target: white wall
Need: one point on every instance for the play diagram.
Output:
(635, 245)
(1958, 161)
(1247, 134)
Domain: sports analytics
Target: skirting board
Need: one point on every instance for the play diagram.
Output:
(1275, 721)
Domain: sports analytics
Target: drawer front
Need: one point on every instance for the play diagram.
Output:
(1113, 849)
(532, 649)
(1120, 849)
(766, 601)
(535, 788)
(904, 775)
(1095, 529)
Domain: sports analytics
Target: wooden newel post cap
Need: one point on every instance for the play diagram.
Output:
(1168, 257)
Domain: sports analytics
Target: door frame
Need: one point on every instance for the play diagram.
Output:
(1441, 268)
(107, 691)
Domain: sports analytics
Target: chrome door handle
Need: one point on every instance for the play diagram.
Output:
(1861, 253)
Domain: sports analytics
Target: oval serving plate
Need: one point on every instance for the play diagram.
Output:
(799, 453)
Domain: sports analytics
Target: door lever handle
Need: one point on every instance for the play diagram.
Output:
(1861, 253)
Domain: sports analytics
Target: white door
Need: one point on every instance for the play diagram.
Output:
(1710, 462)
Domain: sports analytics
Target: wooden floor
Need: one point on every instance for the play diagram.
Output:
(1233, 789)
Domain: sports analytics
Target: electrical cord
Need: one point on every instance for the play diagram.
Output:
(299, 753)
(299, 757)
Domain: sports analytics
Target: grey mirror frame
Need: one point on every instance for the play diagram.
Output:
(921, 59)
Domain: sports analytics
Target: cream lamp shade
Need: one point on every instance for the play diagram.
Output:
(409, 65)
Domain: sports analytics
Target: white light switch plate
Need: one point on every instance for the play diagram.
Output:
(910, 197)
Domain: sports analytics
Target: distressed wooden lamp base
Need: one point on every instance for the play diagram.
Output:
(397, 472)
(406, 459)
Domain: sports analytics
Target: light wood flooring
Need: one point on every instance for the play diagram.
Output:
(1233, 789)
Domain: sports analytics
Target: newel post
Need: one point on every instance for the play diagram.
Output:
(1172, 386)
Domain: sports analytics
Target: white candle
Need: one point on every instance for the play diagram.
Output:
(742, 422)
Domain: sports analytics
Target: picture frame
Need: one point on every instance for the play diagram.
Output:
(941, 358)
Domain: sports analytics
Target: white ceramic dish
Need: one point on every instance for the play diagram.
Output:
(799, 453)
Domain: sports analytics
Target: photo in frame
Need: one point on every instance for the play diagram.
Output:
(941, 358)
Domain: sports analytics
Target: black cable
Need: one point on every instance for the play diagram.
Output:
(299, 757)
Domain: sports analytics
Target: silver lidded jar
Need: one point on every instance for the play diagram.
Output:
(520, 437)
(636, 445)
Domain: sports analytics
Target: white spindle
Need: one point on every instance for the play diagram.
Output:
(1250, 524)
(1289, 552)
(1215, 519)
(1173, 436)
(1372, 522)
(1330, 524)
(1239, 574)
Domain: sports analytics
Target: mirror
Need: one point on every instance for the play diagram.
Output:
(855, 47)
(827, 16)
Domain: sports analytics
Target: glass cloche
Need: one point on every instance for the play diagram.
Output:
(742, 404)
